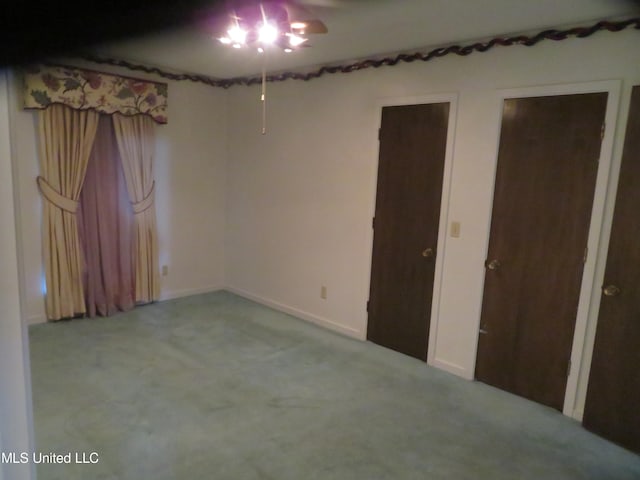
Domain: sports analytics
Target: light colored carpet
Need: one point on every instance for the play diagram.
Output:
(217, 387)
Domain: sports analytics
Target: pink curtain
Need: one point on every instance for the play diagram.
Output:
(105, 223)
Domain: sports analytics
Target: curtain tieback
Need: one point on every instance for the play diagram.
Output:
(55, 198)
(145, 203)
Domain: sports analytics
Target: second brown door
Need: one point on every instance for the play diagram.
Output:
(413, 141)
(545, 181)
(613, 399)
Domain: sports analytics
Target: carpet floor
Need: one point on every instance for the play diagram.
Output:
(217, 387)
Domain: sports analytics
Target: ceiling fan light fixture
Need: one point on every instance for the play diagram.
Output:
(267, 24)
(237, 34)
(267, 33)
(296, 40)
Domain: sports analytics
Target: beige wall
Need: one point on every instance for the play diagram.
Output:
(190, 176)
(190, 195)
(301, 198)
(275, 217)
(15, 385)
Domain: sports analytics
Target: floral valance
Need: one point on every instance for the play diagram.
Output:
(86, 89)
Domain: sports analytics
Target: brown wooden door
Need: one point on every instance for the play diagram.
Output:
(545, 181)
(613, 397)
(411, 165)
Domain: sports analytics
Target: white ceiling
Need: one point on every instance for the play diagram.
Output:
(364, 28)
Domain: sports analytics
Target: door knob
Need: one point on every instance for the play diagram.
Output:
(428, 253)
(493, 264)
(611, 291)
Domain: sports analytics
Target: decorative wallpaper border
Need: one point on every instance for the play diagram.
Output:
(477, 47)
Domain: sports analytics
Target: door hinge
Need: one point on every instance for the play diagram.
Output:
(367, 306)
(586, 252)
(602, 130)
(373, 222)
(569, 368)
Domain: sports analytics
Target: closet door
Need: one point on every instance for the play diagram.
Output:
(613, 396)
(413, 141)
(545, 181)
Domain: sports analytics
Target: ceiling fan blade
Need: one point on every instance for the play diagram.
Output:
(315, 26)
(298, 13)
(326, 4)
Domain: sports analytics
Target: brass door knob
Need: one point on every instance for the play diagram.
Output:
(493, 264)
(611, 291)
(428, 253)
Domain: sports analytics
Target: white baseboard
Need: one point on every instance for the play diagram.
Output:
(578, 414)
(451, 368)
(36, 319)
(41, 318)
(188, 292)
(310, 317)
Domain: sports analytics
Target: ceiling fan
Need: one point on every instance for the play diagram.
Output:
(261, 24)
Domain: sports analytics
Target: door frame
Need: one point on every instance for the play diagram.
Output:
(603, 252)
(587, 304)
(452, 99)
(16, 412)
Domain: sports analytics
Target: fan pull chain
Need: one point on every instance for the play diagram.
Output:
(263, 97)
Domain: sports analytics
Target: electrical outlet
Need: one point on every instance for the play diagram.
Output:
(323, 292)
(165, 270)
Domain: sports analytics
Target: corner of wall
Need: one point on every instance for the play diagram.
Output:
(15, 402)
(227, 162)
(296, 312)
(170, 295)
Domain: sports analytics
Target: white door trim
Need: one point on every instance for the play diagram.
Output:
(585, 305)
(452, 99)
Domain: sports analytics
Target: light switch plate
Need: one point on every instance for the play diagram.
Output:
(455, 229)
